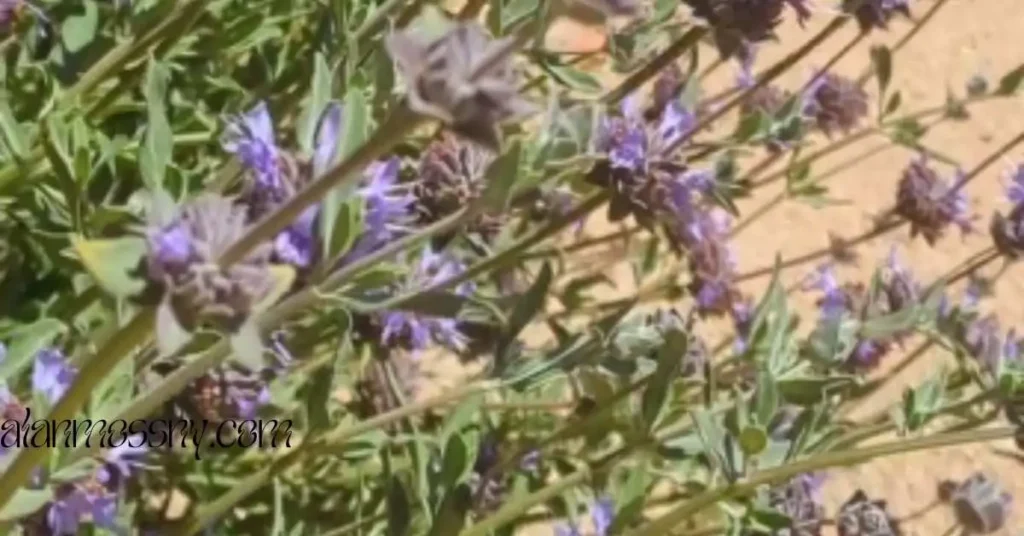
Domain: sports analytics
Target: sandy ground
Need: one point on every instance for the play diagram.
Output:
(967, 37)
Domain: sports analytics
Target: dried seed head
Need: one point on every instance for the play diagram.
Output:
(835, 103)
(182, 260)
(929, 203)
(980, 505)
(860, 516)
(872, 14)
(451, 176)
(447, 79)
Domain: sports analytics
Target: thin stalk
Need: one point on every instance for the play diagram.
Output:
(257, 480)
(919, 24)
(665, 523)
(648, 71)
(512, 509)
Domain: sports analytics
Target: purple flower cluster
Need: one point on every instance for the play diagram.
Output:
(182, 262)
(931, 204)
(897, 291)
(862, 516)
(738, 23)
(1008, 231)
(648, 183)
(275, 176)
(388, 206)
(800, 500)
(602, 514)
(94, 499)
(416, 331)
(876, 14)
(980, 505)
(834, 103)
(52, 375)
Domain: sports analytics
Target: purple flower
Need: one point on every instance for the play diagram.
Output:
(742, 321)
(195, 289)
(704, 236)
(9, 11)
(834, 300)
(416, 331)
(735, 23)
(327, 136)
(94, 499)
(861, 516)
(52, 375)
(871, 14)
(250, 137)
(1008, 231)
(602, 514)
(800, 500)
(835, 103)
(388, 207)
(931, 204)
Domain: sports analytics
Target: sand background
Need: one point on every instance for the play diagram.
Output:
(965, 38)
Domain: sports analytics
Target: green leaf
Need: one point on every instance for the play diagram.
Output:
(894, 103)
(670, 359)
(436, 303)
(526, 308)
(1011, 81)
(158, 147)
(354, 133)
(114, 392)
(881, 57)
(247, 346)
(347, 227)
(573, 78)
(111, 261)
(399, 516)
(25, 342)
(451, 515)
(455, 464)
(321, 87)
(317, 396)
(501, 177)
(13, 133)
(80, 30)
(170, 334)
(25, 502)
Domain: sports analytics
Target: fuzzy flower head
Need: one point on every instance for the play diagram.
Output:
(876, 14)
(639, 167)
(981, 506)
(52, 375)
(931, 204)
(182, 261)
(861, 516)
(735, 23)
(462, 78)
(1008, 231)
(417, 331)
(227, 393)
(834, 103)
(451, 176)
(800, 500)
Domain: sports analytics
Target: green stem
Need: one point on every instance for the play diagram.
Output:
(665, 523)
(648, 71)
(513, 509)
(254, 482)
(919, 24)
(136, 333)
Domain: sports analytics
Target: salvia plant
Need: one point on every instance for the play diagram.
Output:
(279, 216)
